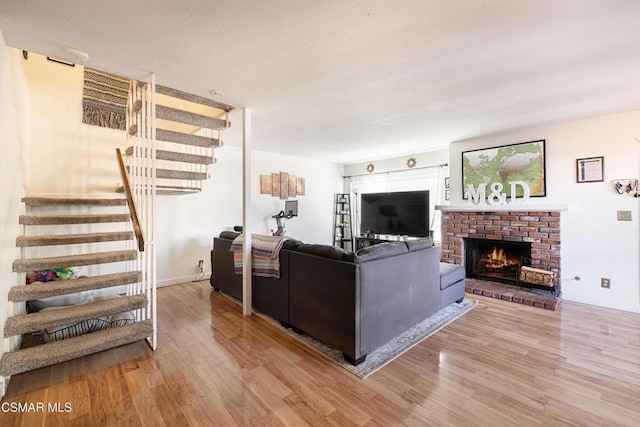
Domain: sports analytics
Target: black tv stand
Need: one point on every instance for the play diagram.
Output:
(363, 242)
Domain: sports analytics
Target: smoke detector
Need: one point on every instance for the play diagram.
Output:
(77, 54)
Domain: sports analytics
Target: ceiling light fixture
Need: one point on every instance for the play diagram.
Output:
(216, 92)
(77, 54)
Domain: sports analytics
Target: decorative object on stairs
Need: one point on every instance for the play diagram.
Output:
(282, 185)
(104, 99)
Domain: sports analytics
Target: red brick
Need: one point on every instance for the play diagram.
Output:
(519, 224)
(540, 245)
(540, 235)
(529, 229)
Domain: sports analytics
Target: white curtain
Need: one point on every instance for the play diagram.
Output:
(431, 179)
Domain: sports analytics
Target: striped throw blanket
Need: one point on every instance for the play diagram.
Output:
(265, 255)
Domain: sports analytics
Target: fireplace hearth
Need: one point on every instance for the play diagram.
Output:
(496, 260)
(539, 230)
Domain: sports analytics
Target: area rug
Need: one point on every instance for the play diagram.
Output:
(388, 352)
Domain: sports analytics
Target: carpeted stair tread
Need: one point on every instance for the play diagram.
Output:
(58, 201)
(26, 323)
(178, 174)
(60, 351)
(163, 90)
(175, 156)
(67, 287)
(69, 239)
(175, 115)
(31, 264)
(187, 139)
(72, 219)
(169, 190)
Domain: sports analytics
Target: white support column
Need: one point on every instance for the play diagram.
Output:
(246, 212)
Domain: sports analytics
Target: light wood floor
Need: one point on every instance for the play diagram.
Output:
(500, 364)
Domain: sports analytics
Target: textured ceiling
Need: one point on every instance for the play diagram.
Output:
(349, 81)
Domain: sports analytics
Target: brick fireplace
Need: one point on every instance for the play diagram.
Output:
(540, 228)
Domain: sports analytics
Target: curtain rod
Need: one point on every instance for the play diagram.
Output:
(397, 170)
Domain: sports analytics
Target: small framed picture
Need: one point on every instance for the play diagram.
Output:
(590, 169)
(447, 194)
(446, 182)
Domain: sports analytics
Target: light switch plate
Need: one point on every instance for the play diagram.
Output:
(624, 215)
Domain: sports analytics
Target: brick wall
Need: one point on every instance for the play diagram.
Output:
(542, 229)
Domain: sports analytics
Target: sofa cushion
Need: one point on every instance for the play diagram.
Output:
(230, 235)
(291, 244)
(325, 251)
(416, 245)
(382, 250)
(450, 274)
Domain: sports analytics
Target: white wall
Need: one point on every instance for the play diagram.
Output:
(594, 243)
(13, 92)
(67, 157)
(428, 158)
(187, 224)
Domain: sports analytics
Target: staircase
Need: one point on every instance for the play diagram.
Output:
(187, 131)
(42, 214)
(172, 141)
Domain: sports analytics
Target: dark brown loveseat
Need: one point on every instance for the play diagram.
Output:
(355, 303)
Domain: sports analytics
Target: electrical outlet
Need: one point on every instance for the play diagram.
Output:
(624, 216)
(605, 283)
(201, 263)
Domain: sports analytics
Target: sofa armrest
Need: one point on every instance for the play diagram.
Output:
(223, 276)
(323, 300)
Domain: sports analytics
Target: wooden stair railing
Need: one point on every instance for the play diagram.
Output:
(137, 229)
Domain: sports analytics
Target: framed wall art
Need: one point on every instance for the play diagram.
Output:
(590, 169)
(523, 161)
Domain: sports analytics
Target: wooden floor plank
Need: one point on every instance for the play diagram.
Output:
(500, 364)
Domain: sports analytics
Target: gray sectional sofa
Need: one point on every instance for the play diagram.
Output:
(352, 302)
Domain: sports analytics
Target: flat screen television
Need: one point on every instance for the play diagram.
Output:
(397, 213)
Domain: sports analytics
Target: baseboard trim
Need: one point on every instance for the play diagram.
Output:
(183, 279)
(616, 305)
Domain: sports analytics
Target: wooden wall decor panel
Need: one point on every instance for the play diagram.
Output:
(293, 186)
(275, 184)
(266, 185)
(300, 187)
(284, 185)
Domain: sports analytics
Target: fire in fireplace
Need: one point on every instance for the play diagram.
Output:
(496, 260)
